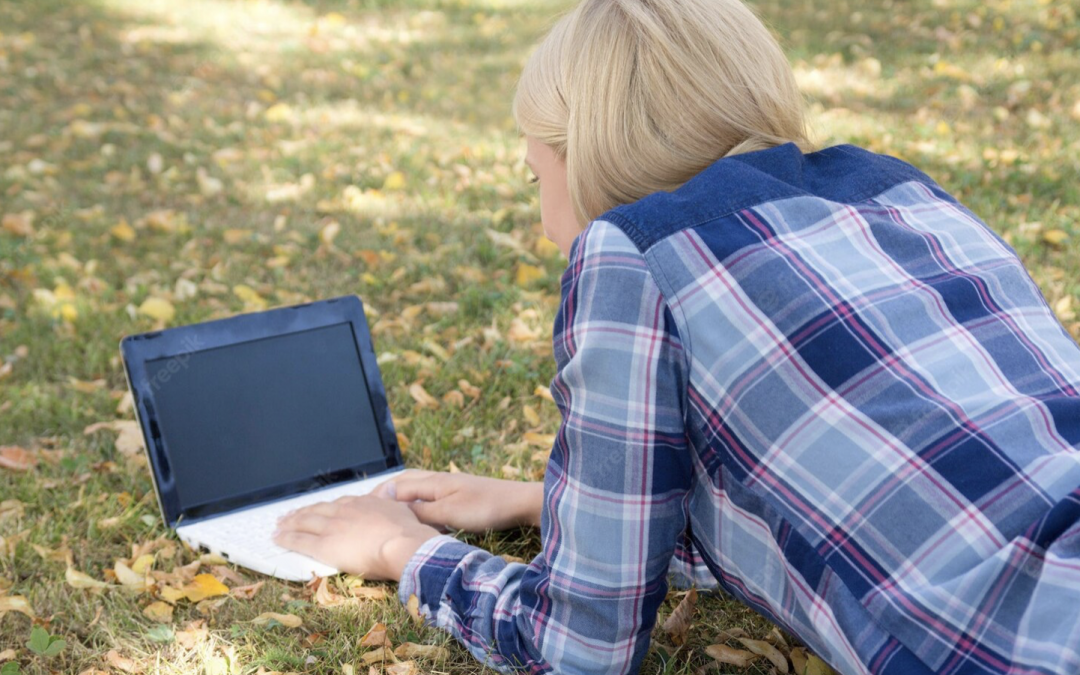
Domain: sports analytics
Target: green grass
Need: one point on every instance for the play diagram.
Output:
(217, 110)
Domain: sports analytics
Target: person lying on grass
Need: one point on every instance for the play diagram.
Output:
(810, 377)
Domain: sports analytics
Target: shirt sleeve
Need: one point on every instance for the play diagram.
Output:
(615, 489)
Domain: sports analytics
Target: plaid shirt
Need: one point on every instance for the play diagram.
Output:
(822, 383)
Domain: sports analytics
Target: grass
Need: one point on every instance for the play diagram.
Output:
(206, 153)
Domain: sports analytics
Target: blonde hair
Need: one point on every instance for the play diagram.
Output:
(638, 96)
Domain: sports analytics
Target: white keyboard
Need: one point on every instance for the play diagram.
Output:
(244, 537)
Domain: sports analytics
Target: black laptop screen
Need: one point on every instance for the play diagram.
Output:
(256, 415)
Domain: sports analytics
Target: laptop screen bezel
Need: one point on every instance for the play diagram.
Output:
(174, 344)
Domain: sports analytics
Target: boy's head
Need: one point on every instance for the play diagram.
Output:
(637, 96)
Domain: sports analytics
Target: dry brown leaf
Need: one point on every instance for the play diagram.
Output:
(411, 650)
(375, 637)
(193, 634)
(422, 398)
(538, 440)
(7, 655)
(159, 611)
(469, 390)
(287, 620)
(762, 648)
(678, 624)
(15, 603)
(325, 596)
(403, 668)
(16, 458)
(731, 634)
(730, 655)
(247, 592)
(122, 662)
(378, 656)
(53, 555)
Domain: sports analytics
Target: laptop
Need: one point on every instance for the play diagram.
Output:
(247, 418)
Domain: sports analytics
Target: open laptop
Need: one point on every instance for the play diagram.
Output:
(250, 417)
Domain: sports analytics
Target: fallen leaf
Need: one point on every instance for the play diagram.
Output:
(378, 656)
(17, 458)
(526, 274)
(395, 181)
(798, 660)
(122, 662)
(411, 650)
(1055, 237)
(329, 232)
(730, 655)
(19, 224)
(413, 607)
(469, 390)
(375, 637)
(403, 668)
(325, 596)
(158, 308)
(159, 611)
(193, 634)
(422, 397)
(77, 579)
(15, 603)
(251, 298)
(762, 648)
(204, 586)
(678, 624)
(815, 666)
(247, 592)
(287, 620)
(123, 231)
(128, 577)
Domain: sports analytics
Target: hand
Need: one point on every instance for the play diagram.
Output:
(462, 501)
(366, 535)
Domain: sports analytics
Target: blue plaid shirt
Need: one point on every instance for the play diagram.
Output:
(822, 383)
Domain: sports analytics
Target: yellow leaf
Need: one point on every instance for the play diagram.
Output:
(123, 231)
(77, 579)
(279, 112)
(1055, 237)
(158, 308)
(15, 603)
(378, 656)
(287, 620)
(143, 564)
(539, 440)
(531, 416)
(544, 392)
(252, 299)
(395, 181)
(172, 595)
(329, 232)
(526, 274)
(159, 611)
(128, 578)
(204, 586)
(468, 389)
(545, 248)
(815, 666)
(411, 650)
(413, 607)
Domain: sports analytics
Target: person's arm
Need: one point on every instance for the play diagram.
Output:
(614, 491)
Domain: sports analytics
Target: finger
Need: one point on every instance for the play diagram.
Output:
(424, 489)
(387, 490)
(301, 542)
(430, 513)
(306, 522)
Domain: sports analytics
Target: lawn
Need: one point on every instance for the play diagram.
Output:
(169, 162)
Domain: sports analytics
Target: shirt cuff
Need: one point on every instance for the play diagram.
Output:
(428, 571)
